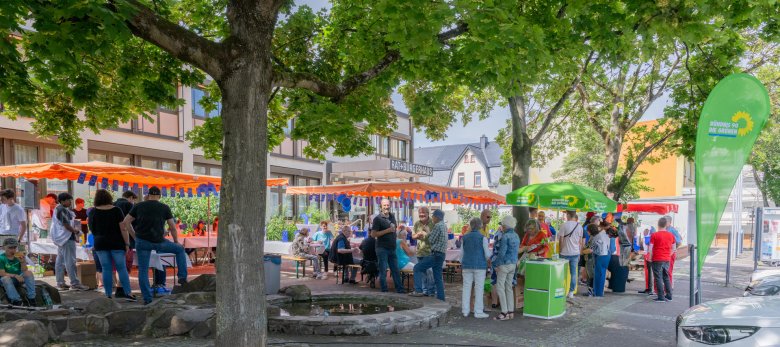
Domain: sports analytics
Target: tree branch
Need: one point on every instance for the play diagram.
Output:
(181, 43)
(552, 112)
(594, 122)
(629, 173)
(337, 91)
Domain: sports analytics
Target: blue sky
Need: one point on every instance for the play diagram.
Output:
(489, 126)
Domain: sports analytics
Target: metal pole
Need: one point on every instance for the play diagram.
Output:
(737, 217)
(759, 223)
(698, 291)
(728, 258)
(692, 284)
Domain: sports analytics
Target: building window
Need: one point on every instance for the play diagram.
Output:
(169, 166)
(466, 159)
(385, 146)
(164, 123)
(477, 179)
(208, 170)
(461, 179)
(24, 154)
(159, 164)
(285, 148)
(55, 155)
(97, 157)
(35, 153)
(198, 110)
(114, 158)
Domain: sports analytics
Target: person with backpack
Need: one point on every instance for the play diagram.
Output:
(572, 242)
(341, 254)
(63, 233)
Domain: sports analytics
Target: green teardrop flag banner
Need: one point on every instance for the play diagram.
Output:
(733, 116)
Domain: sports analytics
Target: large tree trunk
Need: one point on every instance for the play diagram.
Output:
(613, 145)
(521, 157)
(241, 305)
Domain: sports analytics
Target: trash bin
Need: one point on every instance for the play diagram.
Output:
(273, 267)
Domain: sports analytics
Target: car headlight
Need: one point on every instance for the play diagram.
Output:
(716, 335)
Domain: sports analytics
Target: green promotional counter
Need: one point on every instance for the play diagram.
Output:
(545, 295)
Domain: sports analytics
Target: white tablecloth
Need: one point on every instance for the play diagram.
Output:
(198, 241)
(158, 261)
(277, 247)
(43, 246)
(453, 255)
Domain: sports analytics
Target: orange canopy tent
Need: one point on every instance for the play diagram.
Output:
(416, 191)
(99, 173)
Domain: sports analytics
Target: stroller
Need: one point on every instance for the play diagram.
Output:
(370, 269)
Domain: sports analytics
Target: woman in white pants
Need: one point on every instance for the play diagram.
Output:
(475, 261)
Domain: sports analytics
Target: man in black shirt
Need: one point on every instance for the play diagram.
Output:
(146, 223)
(383, 229)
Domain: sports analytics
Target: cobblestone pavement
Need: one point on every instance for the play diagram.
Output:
(614, 320)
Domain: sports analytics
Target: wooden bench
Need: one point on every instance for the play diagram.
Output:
(406, 279)
(298, 262)
(450, 270)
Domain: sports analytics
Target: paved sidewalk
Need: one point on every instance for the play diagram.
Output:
(615, 320)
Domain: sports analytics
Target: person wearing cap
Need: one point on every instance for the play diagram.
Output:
(63, 234)
(13, 219)
(505, 263)
(13, 271)
(146, 223)
(437, 239)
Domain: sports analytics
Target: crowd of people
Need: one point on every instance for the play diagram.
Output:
(119, 232)
(598, 252)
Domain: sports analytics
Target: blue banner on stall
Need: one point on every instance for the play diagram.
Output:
(82, 178)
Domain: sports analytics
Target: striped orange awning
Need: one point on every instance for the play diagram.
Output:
(114, 172)
(410, 190)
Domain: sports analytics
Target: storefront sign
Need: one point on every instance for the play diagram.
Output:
(404, 166)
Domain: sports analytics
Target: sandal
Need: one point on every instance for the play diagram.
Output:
(510, 315)
(502, 316)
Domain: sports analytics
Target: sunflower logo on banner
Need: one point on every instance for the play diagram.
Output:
(743, 130)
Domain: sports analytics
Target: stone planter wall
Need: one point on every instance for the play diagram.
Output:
(191, 314)
(430, 314)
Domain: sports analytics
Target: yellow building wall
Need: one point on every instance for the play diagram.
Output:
(664, 177)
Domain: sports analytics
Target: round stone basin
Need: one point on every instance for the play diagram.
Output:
(326, 308)
(341, 313)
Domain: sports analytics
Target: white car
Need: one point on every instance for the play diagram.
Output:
(741, 321)
(760, 274)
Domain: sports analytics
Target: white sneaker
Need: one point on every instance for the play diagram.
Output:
(465, 315)
(571, 295)
(324, 276)
(318, 276)
(481, 315)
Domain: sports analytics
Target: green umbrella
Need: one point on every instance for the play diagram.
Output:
(561, 196)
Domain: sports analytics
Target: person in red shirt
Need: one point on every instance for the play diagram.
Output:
(662, 244)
